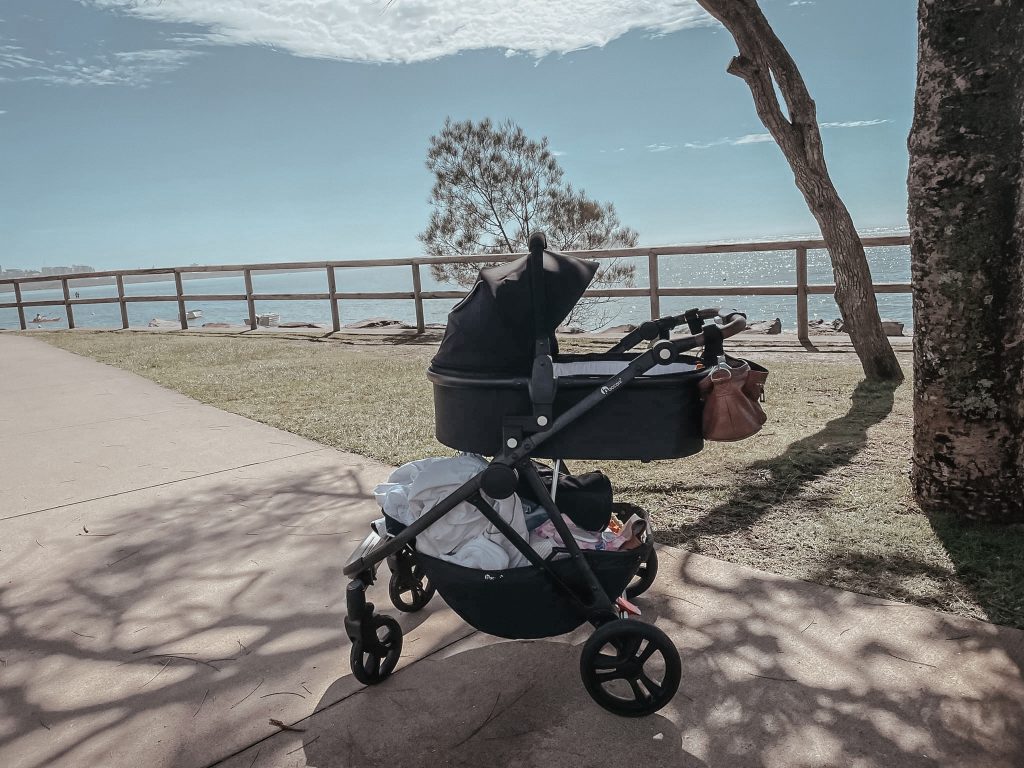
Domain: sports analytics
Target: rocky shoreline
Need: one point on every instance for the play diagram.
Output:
(816, 327)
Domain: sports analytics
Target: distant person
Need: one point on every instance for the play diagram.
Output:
(76, 294)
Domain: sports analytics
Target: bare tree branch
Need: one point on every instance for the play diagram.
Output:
(763, 62)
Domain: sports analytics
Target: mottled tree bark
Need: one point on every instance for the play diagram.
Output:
(967, 244)
(763, 59)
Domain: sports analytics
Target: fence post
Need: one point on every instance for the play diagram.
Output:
(801, 294)
(67, 303)
(121, 301)
(249, 300)
(416, 290)
(21, 309)
(652, 272)
(332, 289)
(180, 292)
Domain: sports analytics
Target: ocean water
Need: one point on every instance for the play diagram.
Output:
(889, 264)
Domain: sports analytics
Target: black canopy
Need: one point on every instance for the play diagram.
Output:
(492, 329)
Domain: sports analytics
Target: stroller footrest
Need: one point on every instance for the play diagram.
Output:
(372, 540)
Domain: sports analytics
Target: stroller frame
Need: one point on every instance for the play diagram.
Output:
(522, 435)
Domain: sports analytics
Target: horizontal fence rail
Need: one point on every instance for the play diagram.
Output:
(654, 292)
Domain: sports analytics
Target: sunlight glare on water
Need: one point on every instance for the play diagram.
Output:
(888, 265)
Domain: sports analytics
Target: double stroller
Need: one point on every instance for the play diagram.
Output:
(502, 390)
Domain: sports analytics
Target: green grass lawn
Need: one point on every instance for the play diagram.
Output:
(821, 494)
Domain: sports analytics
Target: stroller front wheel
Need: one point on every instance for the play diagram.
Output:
(373, 662)
(411, 595)
(630, 668)
(409, 588)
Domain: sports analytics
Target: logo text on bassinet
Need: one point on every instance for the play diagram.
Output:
(609, 388)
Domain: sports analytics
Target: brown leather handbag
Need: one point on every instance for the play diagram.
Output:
(732, 395)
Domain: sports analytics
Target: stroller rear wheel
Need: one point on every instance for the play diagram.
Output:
(644, 576)
(410, 588)
(374, 661)
(630, 668)
(410, 594)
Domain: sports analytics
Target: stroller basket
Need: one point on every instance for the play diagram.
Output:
(651, 417)
(523, 603)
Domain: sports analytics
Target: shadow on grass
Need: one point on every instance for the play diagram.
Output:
(989, 562)
(803, 462)
(988, 571)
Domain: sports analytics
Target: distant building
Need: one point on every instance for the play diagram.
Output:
(74, 268)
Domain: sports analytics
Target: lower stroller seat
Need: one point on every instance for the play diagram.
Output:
(502, 390)
(519, 603)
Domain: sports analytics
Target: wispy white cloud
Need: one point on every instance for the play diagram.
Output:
(184, 40)
(761, 138)
(802, 2)
(733, 141)
(752, 138)
(417, 30)
(13, 57)
(659, 147)
(705, 144)
(557, 153)
(126, 68)
(854, 124)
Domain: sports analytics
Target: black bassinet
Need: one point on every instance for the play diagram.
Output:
(482, 374)
(653, 417)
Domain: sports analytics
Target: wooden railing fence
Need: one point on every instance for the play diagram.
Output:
(654, 291)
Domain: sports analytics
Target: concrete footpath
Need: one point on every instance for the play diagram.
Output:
(170, 584)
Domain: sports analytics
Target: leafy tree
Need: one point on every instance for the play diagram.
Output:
(493, 185)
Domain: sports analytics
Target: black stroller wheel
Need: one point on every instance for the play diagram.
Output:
(630, 668)
(373, 663)
(644, 576)
(411, 591)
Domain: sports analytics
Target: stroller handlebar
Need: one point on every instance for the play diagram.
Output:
(733, 323)
(651, 330)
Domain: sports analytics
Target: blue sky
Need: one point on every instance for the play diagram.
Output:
(157, 132)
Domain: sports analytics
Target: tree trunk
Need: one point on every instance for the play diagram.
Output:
(762, 57)
(967, 245)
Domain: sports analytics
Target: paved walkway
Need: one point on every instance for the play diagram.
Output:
(170, 581)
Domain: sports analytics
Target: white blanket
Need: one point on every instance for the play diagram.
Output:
(463, 536)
